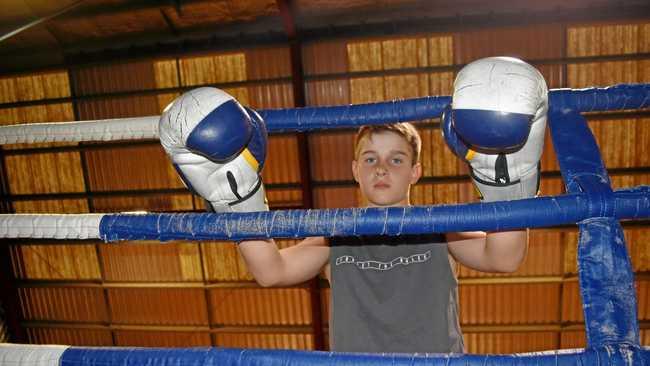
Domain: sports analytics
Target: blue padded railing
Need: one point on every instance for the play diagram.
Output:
(620, 355)
(618, 97)
(534, 213)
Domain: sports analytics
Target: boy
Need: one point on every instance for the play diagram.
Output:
(388, 298)
(389, 294)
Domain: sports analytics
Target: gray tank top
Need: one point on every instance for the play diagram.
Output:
(399, 296)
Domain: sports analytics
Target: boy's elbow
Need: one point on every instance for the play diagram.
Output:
(508, 269)
(268, 280)
(508, 266)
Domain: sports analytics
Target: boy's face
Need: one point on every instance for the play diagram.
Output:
(384, 169)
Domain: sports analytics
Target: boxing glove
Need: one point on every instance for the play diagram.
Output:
(496, 123)
(218, 148)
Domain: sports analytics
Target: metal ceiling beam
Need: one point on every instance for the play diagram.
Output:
(108, 8)
(40, 20)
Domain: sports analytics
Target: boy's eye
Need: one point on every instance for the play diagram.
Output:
(397, 161)
(370, 160)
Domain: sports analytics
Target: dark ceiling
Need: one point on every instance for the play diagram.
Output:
(39, 34)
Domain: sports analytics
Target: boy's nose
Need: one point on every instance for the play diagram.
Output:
(380, 171)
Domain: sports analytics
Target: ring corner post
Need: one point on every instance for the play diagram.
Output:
(604, 267)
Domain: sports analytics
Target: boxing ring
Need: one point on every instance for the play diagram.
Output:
(604, 269)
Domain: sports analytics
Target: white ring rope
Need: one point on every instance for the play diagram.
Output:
(61, 226)
(100, 130)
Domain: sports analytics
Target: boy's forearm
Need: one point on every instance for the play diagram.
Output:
(263, 260)
(284, 267)
(506, 250)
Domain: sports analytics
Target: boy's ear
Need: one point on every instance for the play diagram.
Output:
(416, 173)
(355, 172)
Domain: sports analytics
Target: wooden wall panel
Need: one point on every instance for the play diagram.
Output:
(44, 173)
(405, 86)
(571, 302)
(151, 262)
(265, 341)
(57, 262)
(623, 143)
(166, 73)
(271, 96)
(331, 154)
(627, 181)
(223, 263)
(570, 254)
(606, 39)
(72, 337)
(404, 53)
(551, 186)
(555, 75)
(549, 157)
(510, 342)
(638, 242)
(282, 165)
(63, 304)
(643, 298)
(510, 41)
(327, 57)
(284, 198)
(140, 202)
(164, 100)
(441, 83)
(55, 112)
(367, 90)
(509, 303)
(440, 193)
(213, 69)
(118, 107)
(134, 338)
(327, 92)
(46, 85)
(130, 168)
(268, 63)
(111, 78)
(158, 306)
(336, 197)
(436, 158)
(68, 206)
(260, 306)
(364, 56)
(573, 339)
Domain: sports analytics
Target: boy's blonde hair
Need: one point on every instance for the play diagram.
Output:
(404, 129)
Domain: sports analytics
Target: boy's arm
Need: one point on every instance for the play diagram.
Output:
(496, 124)
(500, 251)
(284, 267)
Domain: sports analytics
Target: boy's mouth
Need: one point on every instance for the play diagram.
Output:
(381, 185)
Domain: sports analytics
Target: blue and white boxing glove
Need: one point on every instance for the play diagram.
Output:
(218, 148)
(496, 123)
